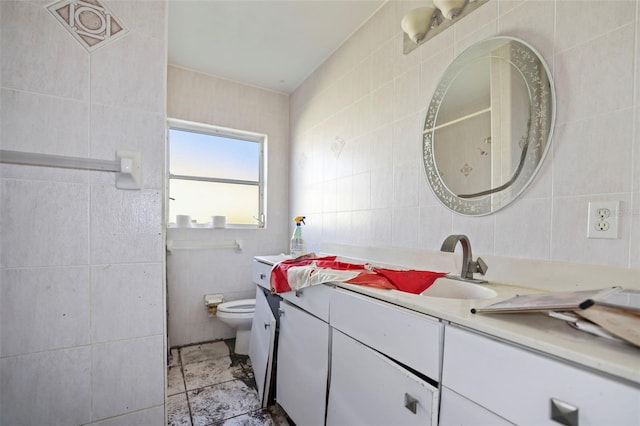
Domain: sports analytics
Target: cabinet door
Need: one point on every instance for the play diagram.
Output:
(367, 388)
(263, 331)
(522, 386)
(303, 364)
(456, 410)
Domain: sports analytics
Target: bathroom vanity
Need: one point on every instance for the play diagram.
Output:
(349, 354)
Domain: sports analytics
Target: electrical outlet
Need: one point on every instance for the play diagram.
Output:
(603, 219)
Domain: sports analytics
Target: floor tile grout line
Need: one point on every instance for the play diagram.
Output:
(184, 382)
(208, 360)
(214, 384)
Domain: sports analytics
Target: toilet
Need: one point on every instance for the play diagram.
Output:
(238, 314)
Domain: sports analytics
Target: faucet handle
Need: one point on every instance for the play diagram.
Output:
(480, 266)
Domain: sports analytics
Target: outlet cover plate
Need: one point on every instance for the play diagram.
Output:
(603, 219)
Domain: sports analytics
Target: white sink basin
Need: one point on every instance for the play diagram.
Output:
(452, 289)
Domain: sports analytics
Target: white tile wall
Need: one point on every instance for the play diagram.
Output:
(125, 225)
(44, 124)
(140, 131)
(589, 141)
(126, 301)
(43, 386)
(593, 51)
(570, 224)
(127, 376)
(596, 77)
(28, 27)
(44, 309)
(142, 56)
(635, 211)
(43, 223)
(81, 262)
(151, 416)
(577, 24)
(191, 274)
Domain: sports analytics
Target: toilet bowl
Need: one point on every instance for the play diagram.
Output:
(238, 314)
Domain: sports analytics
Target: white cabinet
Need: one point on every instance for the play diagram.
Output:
(261, 273)
(263, 333)
(456, 410)
(369, 389)
(314, 300)
(408, 337)
(303, 365)
(522, 386)
(385, 363)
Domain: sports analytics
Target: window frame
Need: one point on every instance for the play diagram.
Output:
(213, 130)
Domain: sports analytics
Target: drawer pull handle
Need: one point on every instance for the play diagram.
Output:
(266, 325)
(564, 413)
(410, 403)
(263, 276)
(281, 312)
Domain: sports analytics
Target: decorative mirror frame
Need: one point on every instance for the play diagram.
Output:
(536, 142)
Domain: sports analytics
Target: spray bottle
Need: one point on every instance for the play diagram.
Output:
(297, 247)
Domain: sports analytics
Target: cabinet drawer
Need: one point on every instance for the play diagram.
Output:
(518, 384)
(261, 274)
(410, 338)
(314, 299)
(369, 389)
(457, 410)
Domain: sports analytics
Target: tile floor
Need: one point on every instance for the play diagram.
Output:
(210, 385)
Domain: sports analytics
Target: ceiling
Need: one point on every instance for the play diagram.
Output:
(274, 44)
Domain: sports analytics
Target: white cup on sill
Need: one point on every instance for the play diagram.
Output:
(219, 221)
(183, 221)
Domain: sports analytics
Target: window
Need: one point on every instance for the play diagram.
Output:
(215, 171)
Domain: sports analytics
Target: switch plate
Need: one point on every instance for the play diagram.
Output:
(603, 219)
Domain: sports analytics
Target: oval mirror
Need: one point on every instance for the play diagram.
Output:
(488, 126)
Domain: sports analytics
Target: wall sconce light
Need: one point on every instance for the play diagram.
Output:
(424, 23)
(417, 22)
(449, 8)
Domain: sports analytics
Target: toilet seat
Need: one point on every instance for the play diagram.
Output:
(238, 314)
(242, 306)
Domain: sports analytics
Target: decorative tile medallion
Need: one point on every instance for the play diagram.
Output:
(337, 146)
(466, 169)
(89, 21)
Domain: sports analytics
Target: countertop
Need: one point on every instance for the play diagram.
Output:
(535, 331)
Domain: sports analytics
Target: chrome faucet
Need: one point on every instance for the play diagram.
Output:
(469, 266)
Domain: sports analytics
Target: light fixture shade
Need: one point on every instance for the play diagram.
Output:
(449, 8)
(417, 22)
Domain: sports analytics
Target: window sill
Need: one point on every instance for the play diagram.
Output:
(210, 226)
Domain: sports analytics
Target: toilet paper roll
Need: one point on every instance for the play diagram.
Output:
(219, 221)
(183, 221)
(211, 301)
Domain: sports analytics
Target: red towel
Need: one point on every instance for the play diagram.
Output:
(411, 281)
(340, 266)
(371, 279)
(279, 282)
